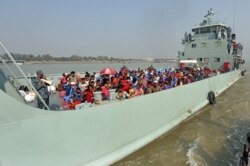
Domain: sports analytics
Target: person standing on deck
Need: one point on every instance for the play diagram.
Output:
(41, 88)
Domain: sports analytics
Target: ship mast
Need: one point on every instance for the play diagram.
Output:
(209, 15)
(234, 14)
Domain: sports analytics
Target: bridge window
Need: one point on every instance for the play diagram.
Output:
(199, 59)
(216, 59)
(205, 30)
(214, 29)
(196, 31)
(194, 45)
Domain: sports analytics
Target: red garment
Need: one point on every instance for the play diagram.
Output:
(89, 96)
(207, 72)
(77, 102)
(115, 81)
(226, 66)
(126, 85)
(64, 80)
(144, 82)
(105, 91)
(71, 106)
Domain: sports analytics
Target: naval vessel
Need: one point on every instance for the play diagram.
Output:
(104, 134)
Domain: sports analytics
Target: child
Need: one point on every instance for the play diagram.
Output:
(78, 95)
(71, 104)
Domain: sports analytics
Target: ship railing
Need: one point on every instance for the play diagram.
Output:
(216, 22)
(22, 73)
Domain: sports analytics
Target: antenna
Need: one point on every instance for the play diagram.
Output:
(209, 15)
(234, 13)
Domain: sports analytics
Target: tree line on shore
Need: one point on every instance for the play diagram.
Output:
(48, 57)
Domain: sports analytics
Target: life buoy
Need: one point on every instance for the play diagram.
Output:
(242, 73)
(211, 97)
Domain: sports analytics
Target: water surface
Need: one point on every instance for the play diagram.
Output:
(90, 67)
(213, 137)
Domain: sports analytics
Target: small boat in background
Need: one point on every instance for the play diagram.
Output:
(18, 62)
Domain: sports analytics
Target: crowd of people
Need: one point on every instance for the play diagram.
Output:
(77, 89)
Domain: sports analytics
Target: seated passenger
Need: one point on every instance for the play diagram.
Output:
(89, 94)
(72, 77)
(64, 79)
(131, 91)
(83, 84)
(114, 81)
(168, 84)
(162, 86)
(92, 78)
(173, 81)
(78, 95)
(109, 84)
(156, 87)
(121, 95)
(126, 84)
(98, 86)
(185, 80)
(105, 92)
(93, 84)
(71, 104)
(139, 91)
(70, 89)
(179, 82)
(144, 81)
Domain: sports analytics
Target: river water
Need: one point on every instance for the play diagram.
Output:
(213, 137)
(90, 67)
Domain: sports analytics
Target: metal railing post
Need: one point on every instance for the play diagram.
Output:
(15, 77)
(26, 79)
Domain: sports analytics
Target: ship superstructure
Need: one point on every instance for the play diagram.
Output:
(212, 44)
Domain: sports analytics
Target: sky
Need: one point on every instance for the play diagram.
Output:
(114, 28)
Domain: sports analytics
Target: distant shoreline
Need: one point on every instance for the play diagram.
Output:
(88, 62)
(80, 62)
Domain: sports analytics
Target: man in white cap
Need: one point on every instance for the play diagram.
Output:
(41, 88)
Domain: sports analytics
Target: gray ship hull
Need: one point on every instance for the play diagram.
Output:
(98, 135)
